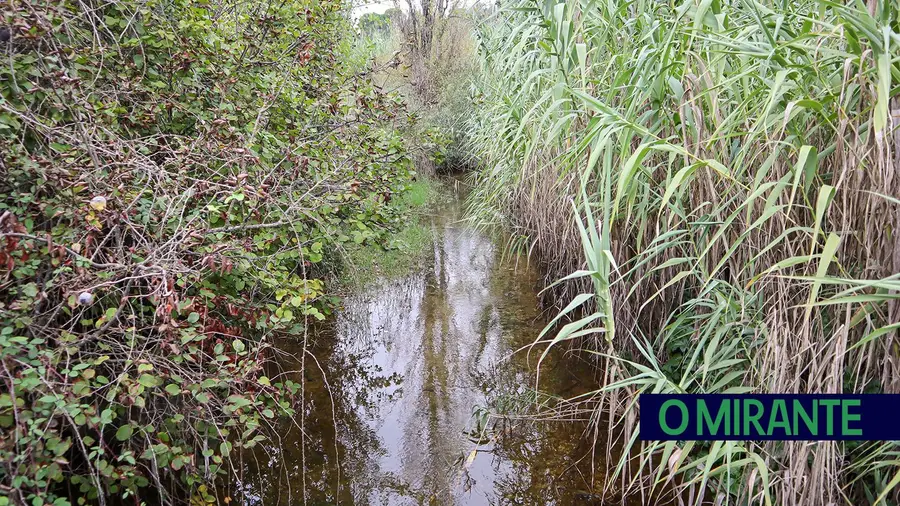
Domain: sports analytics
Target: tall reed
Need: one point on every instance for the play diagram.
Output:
(715, 184)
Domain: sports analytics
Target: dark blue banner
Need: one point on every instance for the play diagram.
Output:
(785, 417)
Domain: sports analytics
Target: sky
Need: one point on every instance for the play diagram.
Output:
(376, 7)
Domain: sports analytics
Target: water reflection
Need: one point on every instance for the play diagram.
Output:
(406, 362)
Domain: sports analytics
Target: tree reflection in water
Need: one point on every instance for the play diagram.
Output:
(407, 360)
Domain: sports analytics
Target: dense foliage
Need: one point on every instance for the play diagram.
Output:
(720, 180)
(174, 177)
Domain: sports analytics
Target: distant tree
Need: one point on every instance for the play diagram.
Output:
(372, 24)
(431, 39)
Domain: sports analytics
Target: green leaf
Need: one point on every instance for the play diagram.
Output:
(828, 255)
(876, 334)
(124, 433)
(30, 290)
(882, 104)
(148, 381)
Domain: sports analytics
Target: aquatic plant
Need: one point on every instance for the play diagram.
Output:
(715, 185)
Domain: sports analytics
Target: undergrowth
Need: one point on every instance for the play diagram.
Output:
(174, 179)
(407, 248)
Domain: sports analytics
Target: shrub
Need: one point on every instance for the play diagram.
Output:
(175, 176)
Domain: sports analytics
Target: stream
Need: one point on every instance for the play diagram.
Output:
(403, 376)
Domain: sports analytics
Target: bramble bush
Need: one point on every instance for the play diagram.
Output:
(176, 177)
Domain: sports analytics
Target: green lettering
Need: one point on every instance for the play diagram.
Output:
(811, 423)
(722, 416)
(662, 417)
(752, 418)
(778, 418)
(846, 418)
(829, 414)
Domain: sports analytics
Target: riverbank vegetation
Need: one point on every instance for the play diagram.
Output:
(407, 247)
(715, 186)
(177, 180)
(710, 188)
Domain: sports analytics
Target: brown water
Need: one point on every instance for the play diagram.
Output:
(404, 375)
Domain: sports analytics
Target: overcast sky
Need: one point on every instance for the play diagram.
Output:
(377, 7)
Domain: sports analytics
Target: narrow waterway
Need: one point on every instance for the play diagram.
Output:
(402, 378)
